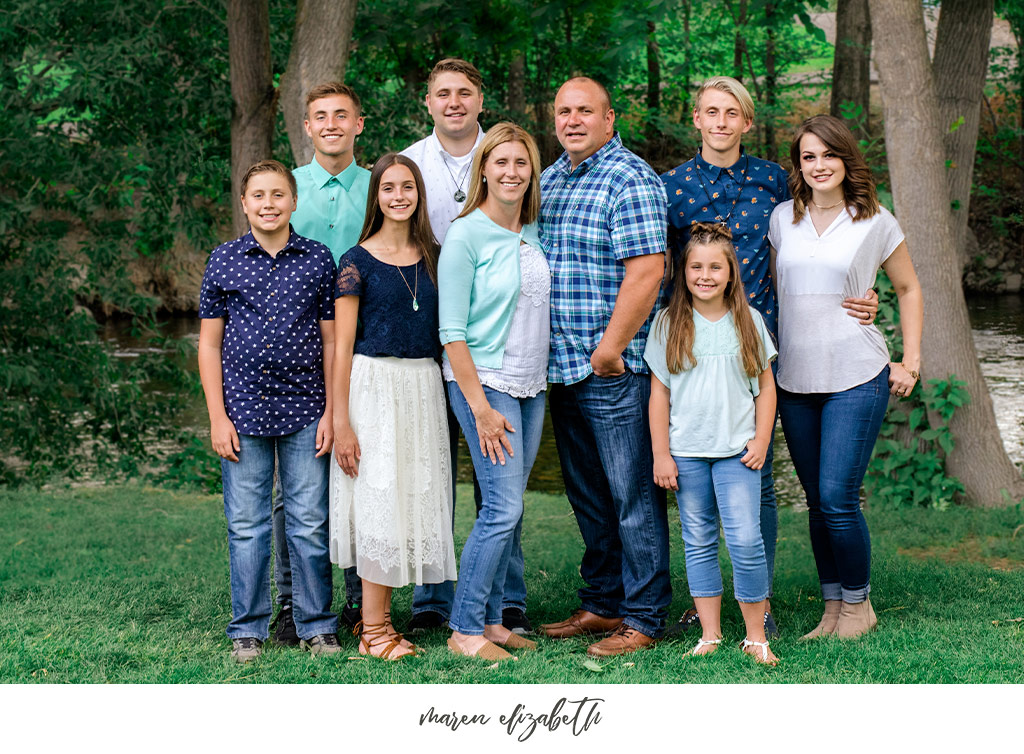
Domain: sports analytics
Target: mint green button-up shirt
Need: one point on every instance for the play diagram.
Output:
(331, 207)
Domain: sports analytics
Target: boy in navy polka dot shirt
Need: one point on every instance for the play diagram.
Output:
(266, 344)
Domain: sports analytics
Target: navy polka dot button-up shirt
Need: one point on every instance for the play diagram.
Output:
(272, 354)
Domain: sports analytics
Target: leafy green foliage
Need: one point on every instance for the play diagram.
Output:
(908, 464)
(103, 162)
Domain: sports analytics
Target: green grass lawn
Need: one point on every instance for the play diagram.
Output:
(130, 585)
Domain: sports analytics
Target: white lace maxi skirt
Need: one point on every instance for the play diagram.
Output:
(393, 522)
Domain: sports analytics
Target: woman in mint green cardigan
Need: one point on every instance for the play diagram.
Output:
(494, 317)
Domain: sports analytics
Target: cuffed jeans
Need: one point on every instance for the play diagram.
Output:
(713, 488)
(248, 488)
(604, 445)
(830, 437)
(488, 553)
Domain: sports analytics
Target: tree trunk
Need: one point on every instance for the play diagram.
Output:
(653, 83)
(851, 67)
(916, 158)
(739, 44)
(959, 68)
(771, 150)
(517, 86)
(320, 47)
(252, 95)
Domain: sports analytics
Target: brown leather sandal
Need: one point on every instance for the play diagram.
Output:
(376, 634)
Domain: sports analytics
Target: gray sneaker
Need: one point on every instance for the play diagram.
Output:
(322, 644)
(245, 649)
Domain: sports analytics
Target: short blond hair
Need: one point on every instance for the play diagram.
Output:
(729, 85)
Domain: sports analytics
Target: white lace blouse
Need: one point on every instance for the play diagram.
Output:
(524, 366)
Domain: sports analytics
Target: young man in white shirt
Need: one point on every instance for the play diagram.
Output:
(454, 100)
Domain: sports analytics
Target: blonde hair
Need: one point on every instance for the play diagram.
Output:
(497, 135)
(729, 85)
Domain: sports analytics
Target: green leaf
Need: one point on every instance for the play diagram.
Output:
(593, 666)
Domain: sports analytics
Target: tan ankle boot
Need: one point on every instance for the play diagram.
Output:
(828, 622)
(855, 619)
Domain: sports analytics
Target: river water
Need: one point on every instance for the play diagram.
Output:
(997, 323)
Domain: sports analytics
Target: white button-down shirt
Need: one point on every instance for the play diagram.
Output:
(443, 175)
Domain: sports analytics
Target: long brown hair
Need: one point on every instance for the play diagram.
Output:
(858, 185)
(498, 134)
(420, 232)
(679, 312)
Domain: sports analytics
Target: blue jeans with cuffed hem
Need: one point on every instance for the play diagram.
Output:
(722, 488)
(604, 445)
(830, 437)
(489, 550)
(248, 487)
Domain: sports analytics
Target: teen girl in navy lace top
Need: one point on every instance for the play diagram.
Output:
(391, 491)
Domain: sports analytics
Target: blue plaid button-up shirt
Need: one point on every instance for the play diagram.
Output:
(744, 195)
(610, 208)
(272, 356)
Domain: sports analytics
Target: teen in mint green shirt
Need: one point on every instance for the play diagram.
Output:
(331, 207)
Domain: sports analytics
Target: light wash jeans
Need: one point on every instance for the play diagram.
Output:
(488, 554)
(438, 598)
(248, 488)
(713, 488)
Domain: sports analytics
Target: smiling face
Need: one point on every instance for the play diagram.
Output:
(454, 104)
(821, 169)
(583, 120)
(333, 123)
(719, 118)
(707, 272)
(508, 172)
(268, 202)
(397, 194)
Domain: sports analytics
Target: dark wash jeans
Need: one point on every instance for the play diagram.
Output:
(604, 445)
(830, 437)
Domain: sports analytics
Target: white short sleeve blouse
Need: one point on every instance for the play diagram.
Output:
(821, 348)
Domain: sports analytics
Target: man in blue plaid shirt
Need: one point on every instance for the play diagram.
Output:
(603, 224)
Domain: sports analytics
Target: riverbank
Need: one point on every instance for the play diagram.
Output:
(129, 584)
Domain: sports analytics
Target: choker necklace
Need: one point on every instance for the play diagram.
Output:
(415, 302)
(831, 206)
(460, 195)
(711, 201)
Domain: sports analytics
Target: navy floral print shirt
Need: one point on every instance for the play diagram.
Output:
(742, 196)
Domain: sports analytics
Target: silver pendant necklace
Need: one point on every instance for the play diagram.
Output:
(460, 195)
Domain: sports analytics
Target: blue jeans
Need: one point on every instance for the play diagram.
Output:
(282, 563)
(438, 598)
(488, 552)
(604, 445)
(769, 505)
(830, 437)
(248, 486)
(713, 488)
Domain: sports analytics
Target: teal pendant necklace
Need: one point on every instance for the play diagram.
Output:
(412, 292)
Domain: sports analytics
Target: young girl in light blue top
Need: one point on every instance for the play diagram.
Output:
(712, 410)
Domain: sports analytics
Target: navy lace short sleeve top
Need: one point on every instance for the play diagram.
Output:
(397, 317)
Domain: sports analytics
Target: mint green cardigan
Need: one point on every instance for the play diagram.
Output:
(478, 284)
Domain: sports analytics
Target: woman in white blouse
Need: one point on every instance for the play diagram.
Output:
(494, 317)
(835, 375)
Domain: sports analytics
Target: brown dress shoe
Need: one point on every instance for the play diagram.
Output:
(581, 622)
(623, 641)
